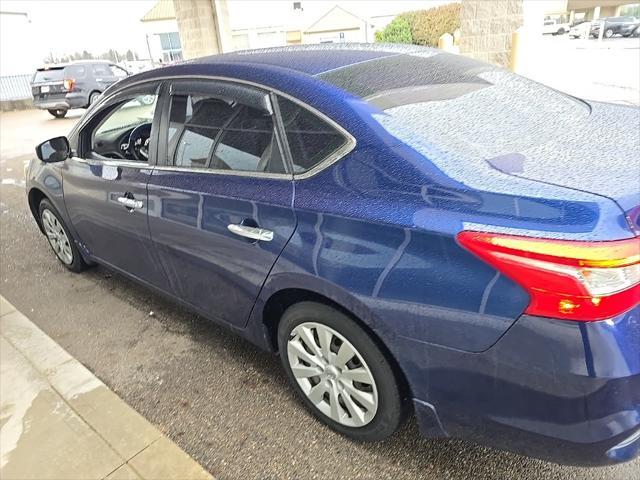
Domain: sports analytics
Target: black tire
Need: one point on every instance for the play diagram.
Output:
(608, 33)
(561, 31)
(391, 411)
(59, 113)
(78, 264)
(93, 98)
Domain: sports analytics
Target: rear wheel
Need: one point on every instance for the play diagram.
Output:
(608, 33)
(59, 238)
(93, 97)
(341, 374)
(58, 113)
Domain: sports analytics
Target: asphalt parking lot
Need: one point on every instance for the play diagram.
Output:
(222, 400)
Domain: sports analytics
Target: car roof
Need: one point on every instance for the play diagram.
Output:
(314, 59)
(321, 75)
(75, 62)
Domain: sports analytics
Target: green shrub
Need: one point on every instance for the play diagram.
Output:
(427, 26)
(398, 31)
(422, 27)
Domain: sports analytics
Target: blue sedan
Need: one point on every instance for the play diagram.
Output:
(410, 231)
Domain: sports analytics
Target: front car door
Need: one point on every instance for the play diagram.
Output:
(105, 182)
(222, 195)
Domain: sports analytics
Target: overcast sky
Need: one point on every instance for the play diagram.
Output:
(66, 26)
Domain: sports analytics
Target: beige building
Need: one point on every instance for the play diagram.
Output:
(161, 32)
(338, 26)
(594, 9)
(215, 26)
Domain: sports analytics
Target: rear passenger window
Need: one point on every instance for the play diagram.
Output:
(311, 139)
(101, 70)
(75, 71)
(249, 143)
(118, 72)
(221, 134)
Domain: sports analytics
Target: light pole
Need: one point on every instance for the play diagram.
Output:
(146, 37)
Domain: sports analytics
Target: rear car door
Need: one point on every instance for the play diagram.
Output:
(105, 182)
(105, 75)
(222, 195)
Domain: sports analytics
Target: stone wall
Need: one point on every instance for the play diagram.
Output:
(486, 27)
(197, 25)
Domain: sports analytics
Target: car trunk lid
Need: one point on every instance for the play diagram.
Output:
(600, 155)
(493, 120)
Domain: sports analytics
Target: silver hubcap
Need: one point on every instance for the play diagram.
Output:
(332, 374)
(57, 237)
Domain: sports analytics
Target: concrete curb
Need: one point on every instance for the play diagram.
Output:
(60, 421)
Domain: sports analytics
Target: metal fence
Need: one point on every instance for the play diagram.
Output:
(15, 87)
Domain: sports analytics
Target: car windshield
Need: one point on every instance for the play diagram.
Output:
(48, 75)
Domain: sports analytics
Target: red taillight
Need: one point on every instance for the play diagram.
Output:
(68, 84)
(570, 280)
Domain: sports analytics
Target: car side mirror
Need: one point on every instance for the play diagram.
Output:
(55, 149)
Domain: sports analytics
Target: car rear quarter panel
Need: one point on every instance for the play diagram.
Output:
(381, 224)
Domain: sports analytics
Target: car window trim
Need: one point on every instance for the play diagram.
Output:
(349, 146)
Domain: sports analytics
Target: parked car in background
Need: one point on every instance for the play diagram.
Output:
(555, 27)
(624, 26)
(410, 230)
(580, 29)
(137, 66)
(59, 88)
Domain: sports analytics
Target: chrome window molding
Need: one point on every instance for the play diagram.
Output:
(114, 162)
(349, 146)
(211, 171)
(327, 162)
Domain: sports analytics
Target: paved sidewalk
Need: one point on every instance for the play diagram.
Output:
(58, 421)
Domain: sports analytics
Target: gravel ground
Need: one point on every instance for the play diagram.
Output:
(221, 399)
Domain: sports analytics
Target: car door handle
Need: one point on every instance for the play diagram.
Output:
(253, 233)
(130, 202)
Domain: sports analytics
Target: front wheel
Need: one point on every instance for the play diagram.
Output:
(608, 33)
(340, 372)
(58, 113)
(59, 238)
